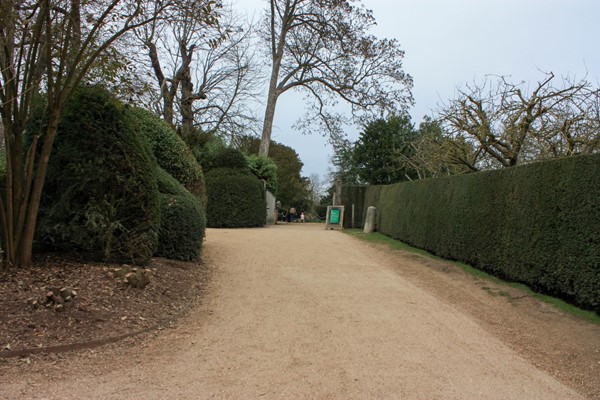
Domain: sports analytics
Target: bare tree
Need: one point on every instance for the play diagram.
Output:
(315, 188)
(322, 48)
(190, 27)
(509, 124)
(46, 49)
(194, 59)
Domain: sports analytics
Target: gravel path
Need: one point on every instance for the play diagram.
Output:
(296, 311)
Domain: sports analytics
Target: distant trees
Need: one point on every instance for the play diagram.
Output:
(508, 124)
(489, 125)
(323, 49)
(292, 187)
(379, 151)
(379, 155)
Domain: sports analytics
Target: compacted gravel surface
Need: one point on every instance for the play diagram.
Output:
(297, 311)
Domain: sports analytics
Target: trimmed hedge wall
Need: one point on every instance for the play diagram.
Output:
(538, 224)
(182, 221)
(236, 199)
(354, 195)
(100, 194)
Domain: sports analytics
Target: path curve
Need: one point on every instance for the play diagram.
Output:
(296, 311)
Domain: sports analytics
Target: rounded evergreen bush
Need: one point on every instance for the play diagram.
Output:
(236, 199)
(230, 158)
(171, 152)
(100, 194)
(182, 227)
(182, 220)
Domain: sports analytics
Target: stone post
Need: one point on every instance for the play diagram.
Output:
(370, 220)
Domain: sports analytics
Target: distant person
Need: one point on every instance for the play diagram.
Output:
(292, 214)
(302, 217)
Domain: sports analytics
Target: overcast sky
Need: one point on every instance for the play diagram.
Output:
(452, 42)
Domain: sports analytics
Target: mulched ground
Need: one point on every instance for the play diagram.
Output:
(104, 306)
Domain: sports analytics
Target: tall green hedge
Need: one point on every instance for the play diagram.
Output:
(100, 194)
(236, 199)
(182, 220)
(537, 224)
(354, 196)
(171, 152)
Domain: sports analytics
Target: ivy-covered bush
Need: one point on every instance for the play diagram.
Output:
(171, 152)
(236, 199)
(101, 194)
(182, 220)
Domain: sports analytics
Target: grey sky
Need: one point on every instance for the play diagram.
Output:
(452, 42)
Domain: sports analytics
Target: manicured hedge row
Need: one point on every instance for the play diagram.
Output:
(354, 195)
(236, 199)
(538, 224)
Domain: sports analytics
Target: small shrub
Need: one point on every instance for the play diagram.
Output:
(182, 227)
(236, 199)
(182, 220)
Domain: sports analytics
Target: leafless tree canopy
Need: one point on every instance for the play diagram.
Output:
(204, 68)
(508, 124)
(322, 48)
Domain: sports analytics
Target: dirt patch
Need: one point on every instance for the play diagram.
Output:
(564, 346)
(104, 305)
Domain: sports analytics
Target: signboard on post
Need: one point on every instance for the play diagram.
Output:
(335, 217)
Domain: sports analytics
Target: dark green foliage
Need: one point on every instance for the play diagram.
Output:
(206, 148)
(292, 187)
(379, 153)
(230, 158)
(354, 195)
(182, 220)
(181, 228)
(264, 168)
(171, 152)
(167, 184)
(236, 199)
(100, 194)
(536, 224)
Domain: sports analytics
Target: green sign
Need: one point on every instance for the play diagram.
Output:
(334, 216)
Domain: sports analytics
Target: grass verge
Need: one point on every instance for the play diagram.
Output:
(379, 238)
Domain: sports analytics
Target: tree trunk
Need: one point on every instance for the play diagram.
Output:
(268, 122)
(186, 103)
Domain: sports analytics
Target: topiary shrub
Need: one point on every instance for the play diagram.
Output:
(236, 199)
(171, 152)
(101, 194)
(182, 221)
(230, 158)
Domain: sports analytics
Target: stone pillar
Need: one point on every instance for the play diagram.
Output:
(370, 220)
